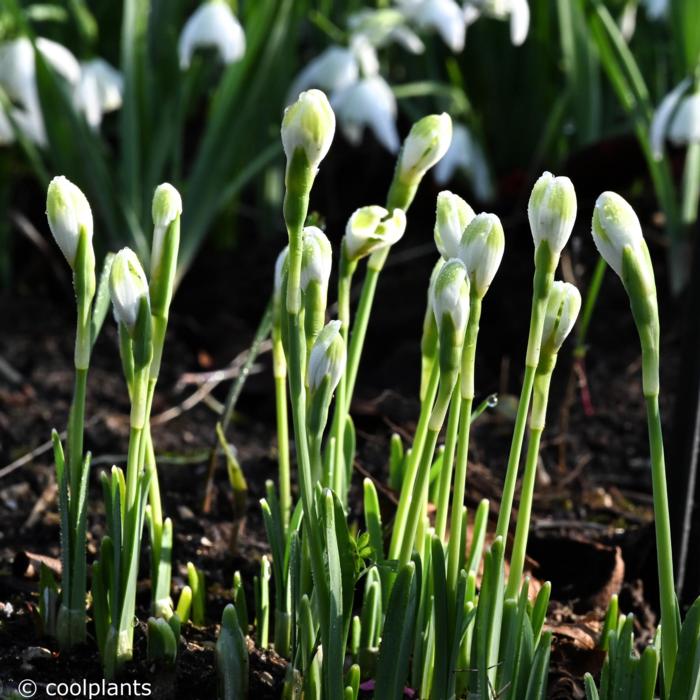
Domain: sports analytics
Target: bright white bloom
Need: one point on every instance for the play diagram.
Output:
(675, 119)
(385, 26)
(328, 357)
(336, 68)
(451, 218)
(425, 145)
(563, 305)
(99, 90)
(308, 124)
(552, 211)
(685, 126)
(481, 250)
(450, 295)
(212, 26)
(615, 228)
(317, 258)
(517, 11)
(371, 228)
(465, 154)
(368, 103)
(444, 16)
(166, 206)
(68, 212)
(127, 286)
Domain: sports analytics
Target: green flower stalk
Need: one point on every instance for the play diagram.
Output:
(563, 306)
(617, 234)
(552, 213)
(70, 220)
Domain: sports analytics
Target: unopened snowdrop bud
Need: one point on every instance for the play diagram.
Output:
(69, 215)
(563, 306)
(128, 288)
(450, 301)
(481, 251)
(552, 212)
(166, 210)
(372, 228)
(212, 25)
(308, 125)
(618, 237)
(425, 145)
(316, 261)
(452, 216)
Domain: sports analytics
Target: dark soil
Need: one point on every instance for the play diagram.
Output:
(592, 532)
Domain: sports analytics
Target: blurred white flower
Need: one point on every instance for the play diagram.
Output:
(678, 117)
(99, 90)
(466, 155)
(367, 103)
(385, 26)
(213, 25)
(656, 9)
(443, 16)
(517, 11)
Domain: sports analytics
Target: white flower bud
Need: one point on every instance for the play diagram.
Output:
(450, 295)
(552, 211)
(127, 286)
(425, 145)
(317, 258)
(167, 205)
(327, 358)
(369, 229)
(308, 124)
(451, 218)
(481, 250)
(563, 305)
(68, 213)
(212, 25)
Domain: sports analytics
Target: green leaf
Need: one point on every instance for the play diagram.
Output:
(102, 300)
(591, 690)
(232, 657)
(685, 673)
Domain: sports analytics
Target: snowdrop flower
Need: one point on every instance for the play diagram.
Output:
(127, 286)
(465, 154)
(451, 218)
(327, 359)
(371, 228)
(69, 214)
(385, 26)
(517, 11)
(213, 25)
(317, 259)
(425, 145)
(165, 208)
(444, 16)
(335, 68)
(98, 91)
(677, 117)
(481, 251)
(308, 124)
(656, 9)
(552, 211)
(450, 295)
(368, 103)
(563, 305)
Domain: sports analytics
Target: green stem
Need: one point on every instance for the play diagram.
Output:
(691, 184)
(664, 552)
(443, 500)
(76, 423)
(589, 306)
(285, 488)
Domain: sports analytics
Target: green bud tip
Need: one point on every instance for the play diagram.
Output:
(69, 213)
(127, 286)
(167, 205)
(451, 218)
(308, 124)
(317, 258)
(327, 358)
(450, 294)
(481, 251)
(371, 228)
(552, 211)
(563, 306)
(425, 145)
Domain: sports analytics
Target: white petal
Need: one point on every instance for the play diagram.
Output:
(662, 116)
(334, 69)
(685, 127)
(60, 59)
(519, 21)
(656, 9)
(446, 17)
(365, 55)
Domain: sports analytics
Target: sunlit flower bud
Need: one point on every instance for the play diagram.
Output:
(68, 213)
(563, 305)
(450, 295)
(308, 124)
(481, 251)
(371, 228)
(327, 358)
(317, 258)
(167, 205)
(452, 216)
(214, 26)
(128, 286)
(425, 144)
(552, 211)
